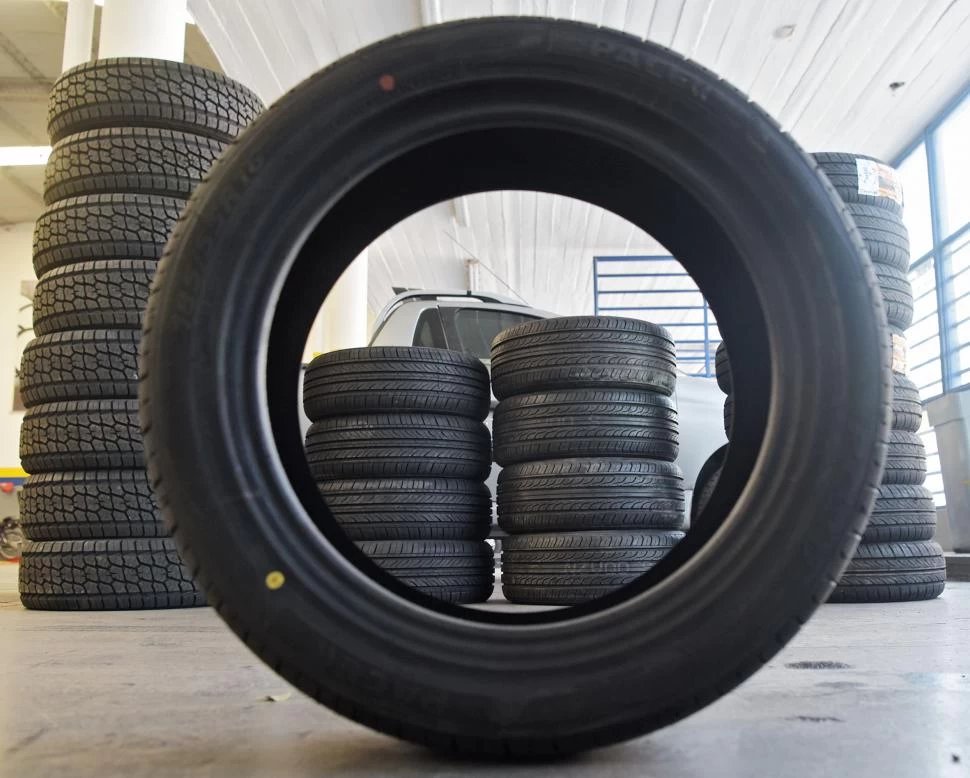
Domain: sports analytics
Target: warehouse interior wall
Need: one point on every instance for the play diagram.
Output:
(16, 279)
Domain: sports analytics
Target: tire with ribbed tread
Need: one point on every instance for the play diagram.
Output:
(728, 415)
(145, 160)
(108, 226)
(409, 508)
(905, 459)
(107, 294)
(395, 379)
(884, 234)
(893, 572)
(907, 406)
(81, 435)
(575, 567)
(83, 364)
(902, 512)
(897, 294)
(398, 444)
(90, 504)
(136, 92)
(575, 352)
(567, 495)
(585, 423)
(843, 171)
(722, 368)
(105, 575)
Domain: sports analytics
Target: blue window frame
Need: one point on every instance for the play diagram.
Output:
(934, 171)
(658, 289)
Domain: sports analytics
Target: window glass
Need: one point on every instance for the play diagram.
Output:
(953, 169)
(428, 331)
(923, 337)
(956, 270)
(916, 198)
(471, 330)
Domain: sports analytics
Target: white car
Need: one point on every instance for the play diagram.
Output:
(468, 321)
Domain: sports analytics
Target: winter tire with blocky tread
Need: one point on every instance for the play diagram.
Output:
(105, 575)
(90, 504)
(110, 294)
(111, 226)
(133, 92)
(82, 435)
(83, 364)
(141, 160)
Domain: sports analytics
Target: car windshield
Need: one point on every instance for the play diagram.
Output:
(471, 330)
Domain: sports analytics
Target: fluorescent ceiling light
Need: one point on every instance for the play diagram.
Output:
(16, 156)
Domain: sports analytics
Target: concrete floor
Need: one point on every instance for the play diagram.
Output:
(174, 693)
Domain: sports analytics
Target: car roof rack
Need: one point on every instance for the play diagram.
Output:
(437, 294)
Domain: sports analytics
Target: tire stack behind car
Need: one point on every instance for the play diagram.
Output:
(586, 432)
(132, 138)
(400, 455)
(897, 559)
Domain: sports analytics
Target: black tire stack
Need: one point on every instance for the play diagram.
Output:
(897, 560)
(132, 137)
(586, 432)
(400, 455)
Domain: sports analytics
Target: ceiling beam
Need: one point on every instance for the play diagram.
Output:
(24, 189)
(22, 60)
(24, 89)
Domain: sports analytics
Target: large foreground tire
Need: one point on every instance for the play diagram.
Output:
(398, 380)
(576, 567)
(577, 352)
(585, 423)
(893, 572)
(105, 575)
(131, 92)
(758, 227)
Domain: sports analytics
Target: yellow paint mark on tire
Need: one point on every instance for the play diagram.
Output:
(275, 580)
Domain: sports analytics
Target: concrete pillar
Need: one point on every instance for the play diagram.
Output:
(950, 416)
(143, 28)
(343, 319)
(78, 33)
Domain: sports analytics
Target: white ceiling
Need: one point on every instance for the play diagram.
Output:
(822, 68)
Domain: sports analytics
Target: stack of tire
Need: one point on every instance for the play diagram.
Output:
(586, 432)
(399, 452)
(132, 138)
(897, 559)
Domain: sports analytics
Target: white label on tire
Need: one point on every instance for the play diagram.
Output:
(878, 180)
(900, 354)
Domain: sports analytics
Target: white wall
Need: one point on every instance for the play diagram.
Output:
(16, 242)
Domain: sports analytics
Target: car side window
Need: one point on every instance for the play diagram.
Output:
(428, 331)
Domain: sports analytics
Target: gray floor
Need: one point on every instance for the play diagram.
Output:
(174, 693)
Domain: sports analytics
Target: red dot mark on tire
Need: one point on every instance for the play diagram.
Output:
(386, 82)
